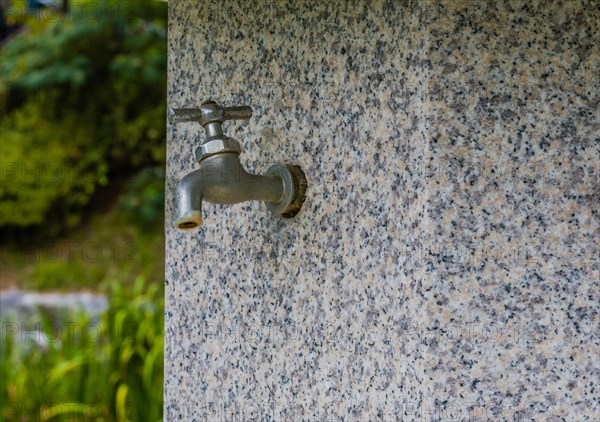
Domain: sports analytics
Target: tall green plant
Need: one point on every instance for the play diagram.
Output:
(110, 370)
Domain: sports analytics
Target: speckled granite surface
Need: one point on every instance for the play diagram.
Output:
(445, 265)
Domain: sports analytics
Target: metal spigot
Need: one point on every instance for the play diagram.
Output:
(221, 179)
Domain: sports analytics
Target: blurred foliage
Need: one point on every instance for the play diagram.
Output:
(45, 177)
(83, 97)
(105, 370)
(121, 242)
(143, 203)
(82, 109)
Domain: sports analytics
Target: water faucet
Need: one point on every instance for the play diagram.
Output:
(221, 178)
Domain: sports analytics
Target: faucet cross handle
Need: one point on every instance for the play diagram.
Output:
(211, 116)
(210, 112)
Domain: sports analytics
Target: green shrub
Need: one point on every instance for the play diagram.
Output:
(49, 170)
(84, 94)
(110, 370)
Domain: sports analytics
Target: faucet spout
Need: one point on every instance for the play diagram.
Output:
(221, 179)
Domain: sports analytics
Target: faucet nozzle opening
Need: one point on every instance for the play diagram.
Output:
(190, 222)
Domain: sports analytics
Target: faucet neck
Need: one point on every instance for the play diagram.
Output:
(213, 129)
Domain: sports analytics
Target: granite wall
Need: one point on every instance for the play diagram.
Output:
(445, 264)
